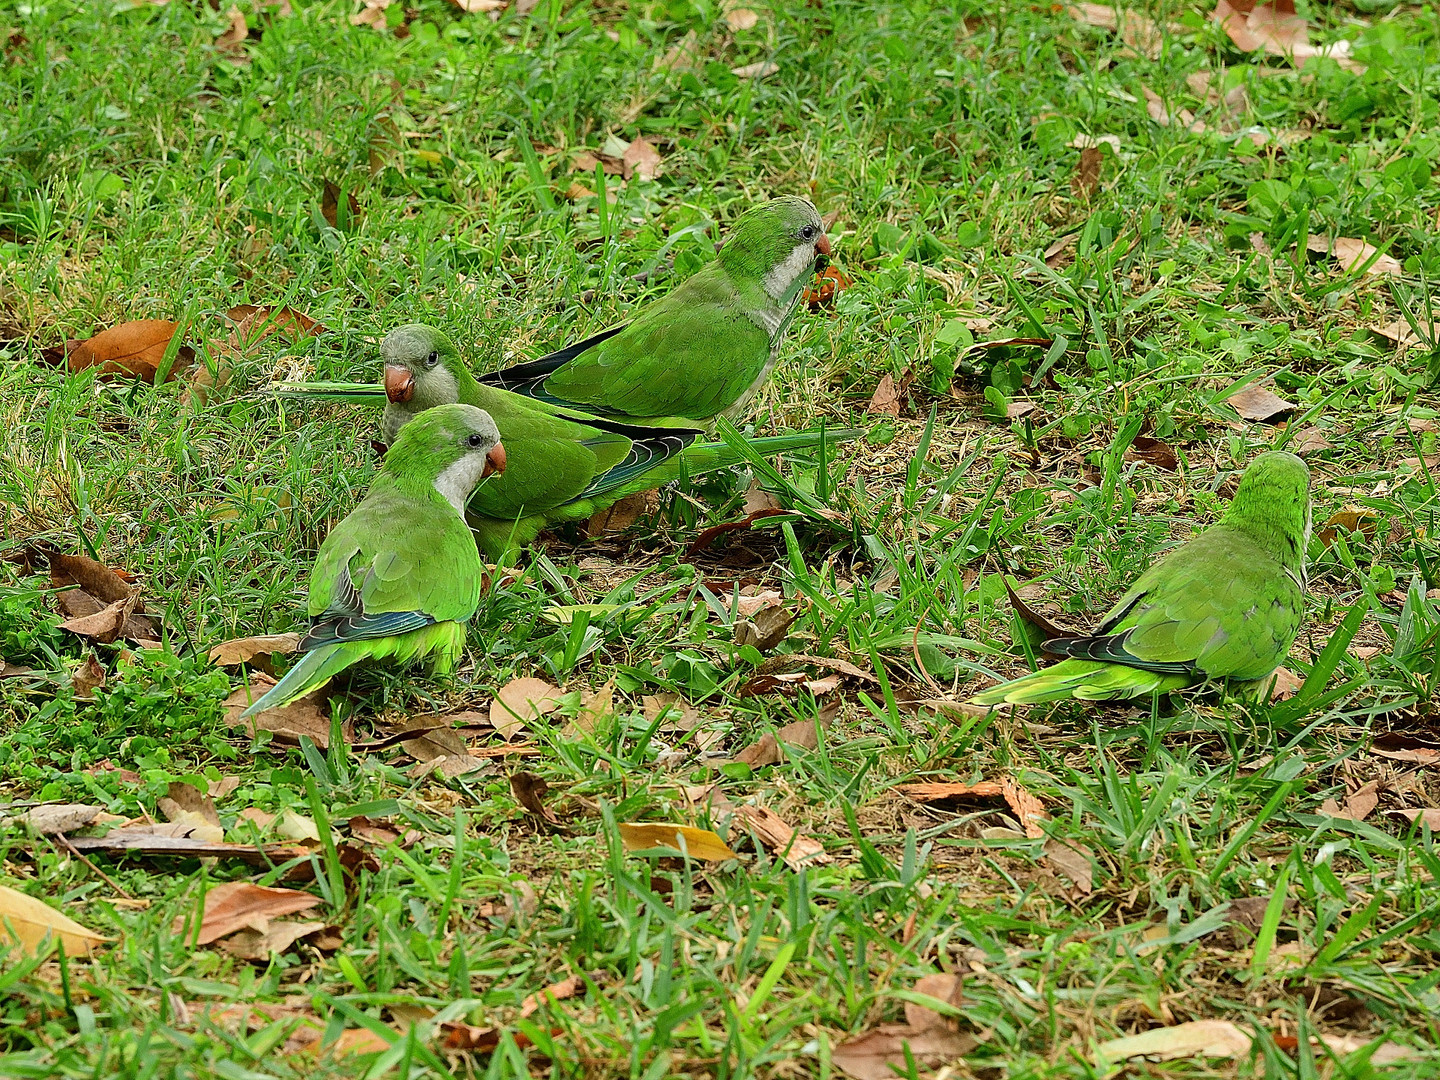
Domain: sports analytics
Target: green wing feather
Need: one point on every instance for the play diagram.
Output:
(689, 355)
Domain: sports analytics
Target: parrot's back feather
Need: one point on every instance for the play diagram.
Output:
(527, 378)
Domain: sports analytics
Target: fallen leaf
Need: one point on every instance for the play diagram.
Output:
(50, 818)
(555, 992)
(28, 923)
(766, 628)
(1054, 254)
(1277, 30)
(243, 650)
(88, 677)
(529, 791)
(684, 55)
(185, 804)
(235, 34)
(831, 282)
(1351, 254)
(288, 722)
(435, 743)
(1028, 810)
(622, 514)
(1073, 860)
(1284, 684)
(886, 399)
(478, 7)
(298, 827)
(797, 850)
(97, 579)
(699, 843)
(1309, 440)
(1258, 403)
(1142, 34)
(1087, 176)
(1347, 523)
(276, 938)
(1043, 626)
(766, 750)
(1430, 816)
(1153, 452)
(679, 714)
(520, 702)
(641, 159)
(886, 1050)
(135, 349)
(254, 323)
(1155, 106)
(102, 626)
(1359, 804)
(941, 986)
(331, 207)
(236, 905)
(1198, 1038)
(174, 839)
(758, 70)
(741, 18)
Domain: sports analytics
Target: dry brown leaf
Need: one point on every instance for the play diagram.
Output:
(330, 206)
(797, 850)
(478, 7)
(1136, 30)
(941, 986)
(102, 626)
(1310, 440)
(1198, 1038)
(1284, 684)
(555, 992)
(622, 514)
(254, 323)
(97, 579)
(50, 818)
(1346, 523)
(174, 839)
(1153, 452)
(1073, 860)
(288, 723)
(831, 282)
(88, 677)
(133, 349)
(641, 159)
(236, 905)
(679, 714)
(277, 937)
(235, 34)
(766, 628)
(1428, 815)
(759, 70)
(741, 18)
(1258, 403)
(1359, 804)
(520, 702)
(595, 707)
(1029, 810)
(1085, 181)
(700, 843)
(1155, 106)
(529, 791)
(243, 650)
(881, 1053)
(435, 743)
(184, 804)
(1351, 254)
(28, 923)
(1055, 254)
(684, 55)
(886, 399)
(766, 750)
(1277, 30)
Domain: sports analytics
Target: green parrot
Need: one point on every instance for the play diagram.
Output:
(1225, 607)
(568, 465)
(703, 350)
(399, 576)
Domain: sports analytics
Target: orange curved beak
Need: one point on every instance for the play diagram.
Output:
(399, 384)
(494, 460)
(823, 244)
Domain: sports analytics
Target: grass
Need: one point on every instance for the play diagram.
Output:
(147, 173)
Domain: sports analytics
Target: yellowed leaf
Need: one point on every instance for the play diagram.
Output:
(699, 843)
(1198, 1038)
(28, 923)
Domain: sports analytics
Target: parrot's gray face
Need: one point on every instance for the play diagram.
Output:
(477, 454)
(416, 384)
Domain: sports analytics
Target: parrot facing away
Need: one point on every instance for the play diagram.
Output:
(703, 350)
(399, 577)
(1226, 606)
(568, 465)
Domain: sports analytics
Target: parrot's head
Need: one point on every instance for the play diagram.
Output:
(780, 243)
(423, 369)
(1273, 499)
(452, 447)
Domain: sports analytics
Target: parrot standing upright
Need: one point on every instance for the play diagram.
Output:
(703, 350)
(1224, 607)
(568, 465)
(400, 577)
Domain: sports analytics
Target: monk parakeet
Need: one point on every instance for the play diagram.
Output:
(568, 465)
(703, 350)
(1224, 607)
(399, 576)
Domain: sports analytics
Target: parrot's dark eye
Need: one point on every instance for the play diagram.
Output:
(432, 359)
(476, 441)
(807, 233)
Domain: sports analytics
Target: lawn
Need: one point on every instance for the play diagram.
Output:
(1089, 265)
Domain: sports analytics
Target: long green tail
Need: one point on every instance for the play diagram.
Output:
(331, 391)
(1083, 680)
(496, 537)
(317, 667)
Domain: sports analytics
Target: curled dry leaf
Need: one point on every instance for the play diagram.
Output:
(1155, 106)
(1258, 404)
(1142, 34)
(184, 804)
(235, 34)
(478, 7)
(1153, 452)
(276, 938)
(88, 677)
(520, 702)
(254, 323)
(942, 987)
(29, 924)
(796, 849)
(766, 628)
(105, 625)
(1347, 523)
(131, 350)
(641, 159)
(529, 791)
(288, 723)
(699, 843)
(1359, 804)
(622, 514)
(1073, 860)
(1086, 179)
(236, 905)
(830, 283)
(1277, 30)
(927, 1038)
(759, 70)
(740, 18)
(766, 750)
(1310, 440)
(555, 992)
(243, 650)
(1284, 684)
(1352, 254)
(1028, 810)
